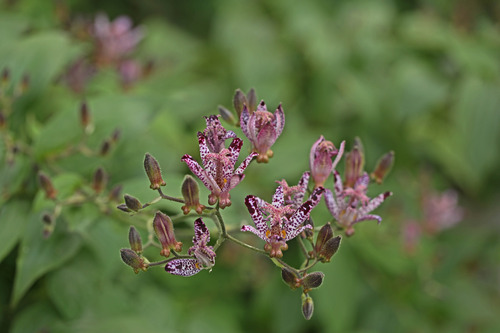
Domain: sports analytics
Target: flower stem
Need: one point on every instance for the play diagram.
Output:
(164, 196)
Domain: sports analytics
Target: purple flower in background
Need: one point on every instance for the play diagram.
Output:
(351, 206)
(115, 39)
(277, 223)
(320, 159)
(218, 173)
(262, 128)
(441, 211)
(204, 255)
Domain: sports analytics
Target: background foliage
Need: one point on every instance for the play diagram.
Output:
(417, 77)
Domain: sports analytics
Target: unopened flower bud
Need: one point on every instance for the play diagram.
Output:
(114, 194)
(164, 230)
(384, 165)
(105, 148)
(252, 100)
(307, 306)
(290, 278)
(191, 194)
(320, 160)
(132, 259)
(85, 120)
(312, 281)
(46, 185)
(324, 235)
(134, 239)
(227, 116)
(153, 171)
(124, 208)
(5, 76)
(354, 163)
(132, 203)
(100, 180)
(329, 249)
(238, 101)
(116, 135)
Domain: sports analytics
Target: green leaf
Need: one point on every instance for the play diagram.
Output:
(37, 255)
(39, 317)
(13, 217)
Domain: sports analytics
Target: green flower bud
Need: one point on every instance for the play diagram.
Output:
(134, 239)
(114, 194)
(312, 281)
(46, 185)
(329, 249)
(227, 115)
(252, 100)
(238, 101)
(105, 148)
(290, 278)
(153, 171)
(354, 163)
(100, 180)
(307, 306)
(325, 233)
(135, 261)
(132, 203)
(164, 230)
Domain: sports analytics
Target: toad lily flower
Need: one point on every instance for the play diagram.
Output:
(262, 128)
(215, 134)
(294, 195)
(320, 159)
(351, 206)
(277, 223)
(218, 173)
(204, 255)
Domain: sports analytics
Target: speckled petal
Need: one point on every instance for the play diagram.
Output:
(278, 199)
(279, 120)
(374, 203)
(245, 164)
(252, 203)
(302, 213)
(337, 184)
(244, 118)
(292, 233)
(339, 154)
(331, 204)
(367, 218)
(234, 151)
(201, 233)
(261, 235)
(205, 178)
(183, 267)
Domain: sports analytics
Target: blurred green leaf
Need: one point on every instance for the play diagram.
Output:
(13, 216)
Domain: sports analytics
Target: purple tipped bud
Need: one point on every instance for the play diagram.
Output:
(329, 249)
(46, 185)
(227, 116)
(191, 194)
(105, 148)
(307, 306)
(134, 239)
(252, 100)
(324, 235)
(153, 171)
(384, 165)
(164, 230)
(290, 278)
(312, 281)
(132, 259)
(238, 101)
(354, 163)
(124, 208)
(100, 180)
(132, 203)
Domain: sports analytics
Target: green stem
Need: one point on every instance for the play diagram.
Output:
(164, 196)
(248, 246)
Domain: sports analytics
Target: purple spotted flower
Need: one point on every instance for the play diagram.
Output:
(294, 195)
(277, 223)
(262, 128)
(204, 255)
(218, 173)
(215, 134)
(320, 159)
(351, 205)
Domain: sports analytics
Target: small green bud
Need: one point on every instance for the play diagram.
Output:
(132, 203)
(384, 165)
(325, 234)
(252, 100)
(191, 194)
(85, 120)
(238, 101)
(312, 281)
(153, 172)
(134, 239)
(329, 249)
(227, 115)
(116, 135)
(100, 180)
(124, 208)
(105, 147)
(132, 259)
(290, 278)
(46, 185)
(307, 306)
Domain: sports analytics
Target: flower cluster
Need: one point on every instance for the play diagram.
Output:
(286, 219)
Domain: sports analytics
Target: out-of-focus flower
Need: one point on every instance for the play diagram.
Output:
(79, 74)
(294, 195)
(130, 72)
(411, 233)
(218, 173)
(277, 223)
(262, 128)
(204, 255)
(383, 167)
(320, 159)
(353, 206)
(115, 39)
(441, 211)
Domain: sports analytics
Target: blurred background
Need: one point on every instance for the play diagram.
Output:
(421, 78)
